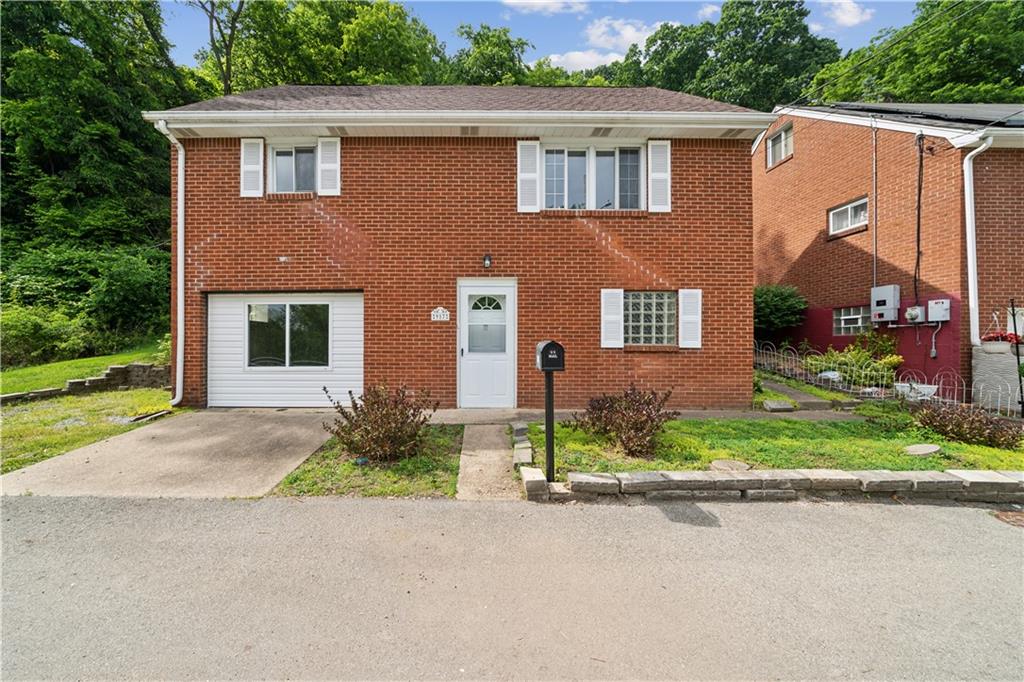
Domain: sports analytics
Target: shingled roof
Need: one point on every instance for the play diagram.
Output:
(459, 98)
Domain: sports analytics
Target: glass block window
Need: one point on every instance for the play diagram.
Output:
(649, 318)
(851, 321)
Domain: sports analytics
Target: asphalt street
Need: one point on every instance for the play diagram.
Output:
(400, 589)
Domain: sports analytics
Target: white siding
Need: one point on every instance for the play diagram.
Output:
(231, 384)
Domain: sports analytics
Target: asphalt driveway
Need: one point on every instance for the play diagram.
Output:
(321, 588)
(211, 453)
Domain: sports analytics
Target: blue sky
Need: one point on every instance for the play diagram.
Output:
(578, 34)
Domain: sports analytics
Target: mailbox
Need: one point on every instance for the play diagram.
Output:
(550, 356)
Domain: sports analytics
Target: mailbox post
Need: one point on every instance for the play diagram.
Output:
(550, 359)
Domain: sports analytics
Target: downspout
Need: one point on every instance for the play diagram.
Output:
(972, 241)
(179, 316)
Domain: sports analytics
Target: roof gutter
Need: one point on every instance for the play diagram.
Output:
(179, 315)
(972, 241)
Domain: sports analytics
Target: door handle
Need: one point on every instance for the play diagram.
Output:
(462, 351)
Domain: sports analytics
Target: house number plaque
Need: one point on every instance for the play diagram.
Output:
(440, 314)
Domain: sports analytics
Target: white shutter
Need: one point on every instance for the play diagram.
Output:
(659, 176)
(251, 172)
(690, 312)
(328, 166)
(528, 176)
(611, 318)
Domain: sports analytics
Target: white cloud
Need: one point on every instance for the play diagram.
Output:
(708, 11)
(547, 7)
(506, 16)
(847, 13)
(618, 34)
(583, 59)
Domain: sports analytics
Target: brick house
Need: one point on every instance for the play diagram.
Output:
(347, 236)
(835, 213)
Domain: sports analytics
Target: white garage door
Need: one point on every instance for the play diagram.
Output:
(280, 350)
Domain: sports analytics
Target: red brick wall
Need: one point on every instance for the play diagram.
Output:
(831, 165)
(417, 214)
(999, 202)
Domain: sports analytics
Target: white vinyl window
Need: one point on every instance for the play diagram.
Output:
(780, 146)
(848, 217)
(293, 168)
(592, 178)
(851, 321)
(649, 318)
(288, 335)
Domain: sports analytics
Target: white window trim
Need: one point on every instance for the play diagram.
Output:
(786, 131)
(288, 335)
(863, 320)
(289, 145)
(591, 185)
(849, 209)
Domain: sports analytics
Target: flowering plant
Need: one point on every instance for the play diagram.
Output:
(1002, 336)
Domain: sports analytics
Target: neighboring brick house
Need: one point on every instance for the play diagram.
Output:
(348, 236)
(835, 212)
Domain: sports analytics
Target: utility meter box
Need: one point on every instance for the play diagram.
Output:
(550, 356)
(914, 314)
(885, 303)
(938, 310)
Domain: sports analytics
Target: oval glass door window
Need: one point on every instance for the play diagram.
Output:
(487, 324)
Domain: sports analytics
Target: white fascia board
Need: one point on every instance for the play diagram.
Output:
(958, 137)
(751, 120)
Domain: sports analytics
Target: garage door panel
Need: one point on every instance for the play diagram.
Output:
(232, 384)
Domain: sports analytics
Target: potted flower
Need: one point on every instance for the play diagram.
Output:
(999, 342)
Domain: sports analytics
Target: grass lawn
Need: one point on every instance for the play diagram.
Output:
(54, 374)
(42, 429)
(779, 444)
(811, 389)
(769, 394)
(433, 473)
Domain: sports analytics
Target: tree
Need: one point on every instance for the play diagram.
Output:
(777, 308)
(222, 17)
(675, 53)
(951, 52)
(763, 54)
(492, 57)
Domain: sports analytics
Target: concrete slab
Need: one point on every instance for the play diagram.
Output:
(209, 453)
(485, 467)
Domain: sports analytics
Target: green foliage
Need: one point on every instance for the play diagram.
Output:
(939, 57)
(965, 424)
(877, 343)
(758, 384)
(777, 307)
(856, 365)
(381, 425)
(55, 374)
(33, 335)
(162, 356)
(633, 419)
(493, 57)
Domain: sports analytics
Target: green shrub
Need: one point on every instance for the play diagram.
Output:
(130, 293)
(856, 366)
(877, 343)
(776, 308)
(163, 350)
(36, 334)
(962, 423)
(758, 384)
(633, 419)
(381, 425)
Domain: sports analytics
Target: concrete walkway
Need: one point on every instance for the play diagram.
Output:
(210, 453)
(485, 468)
(804, 401)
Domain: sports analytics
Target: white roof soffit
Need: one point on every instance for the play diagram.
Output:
(958, 137)
(208, 123)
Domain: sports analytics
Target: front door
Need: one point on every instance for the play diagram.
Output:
(487, 340)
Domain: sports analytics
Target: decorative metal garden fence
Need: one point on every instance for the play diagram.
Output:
(870, 379)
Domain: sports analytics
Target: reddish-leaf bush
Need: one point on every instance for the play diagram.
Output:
(382, 425)
(962, 423)
(633, 419)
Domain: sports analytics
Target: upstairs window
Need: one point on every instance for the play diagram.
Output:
(592, 178)
(780, 146)
(294, 169)
(848, 217)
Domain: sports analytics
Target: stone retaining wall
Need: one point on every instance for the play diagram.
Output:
(116, 377)
(774, 485)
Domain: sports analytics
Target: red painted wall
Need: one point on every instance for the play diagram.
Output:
(416, 214)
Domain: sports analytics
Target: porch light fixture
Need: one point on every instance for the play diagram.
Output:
(487, 261)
